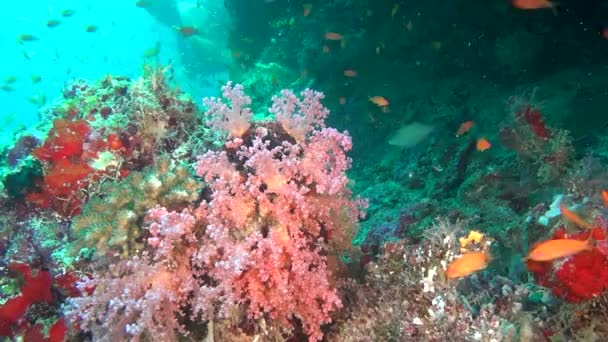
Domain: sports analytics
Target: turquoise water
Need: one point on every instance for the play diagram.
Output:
(281, 170)
(64, 52)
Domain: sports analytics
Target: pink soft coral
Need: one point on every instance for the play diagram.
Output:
(145, 294)
(258, 243)
(234, 118)
(299, 116)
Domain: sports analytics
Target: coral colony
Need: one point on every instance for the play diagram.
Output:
(156, 222)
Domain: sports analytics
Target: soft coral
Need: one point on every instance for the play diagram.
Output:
(35, 288)
(65, 141)
(66, 172)
(580, 277)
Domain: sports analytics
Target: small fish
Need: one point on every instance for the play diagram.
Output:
(26, 55)
(379, 101)
(483, 144)
(7, 88)
(38, 99)
(533, 4)
(36, 79)
(67, 13)
(436, 45)
(605, 197)
(409, 26)
(153, 51)
(465, 127)
(26, 37)
(304, 74)
(53, 23)
(394, 10)
(187, 31)
(91, 28)
(342, 100)
(556, 249)
(10, 79)
(333, 36)
(326, 49)
(573, 217)
(306, 8)
(350, 73)
(467, 264)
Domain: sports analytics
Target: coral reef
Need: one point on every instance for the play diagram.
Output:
(405, 297)
(110, 222)
(261, 250)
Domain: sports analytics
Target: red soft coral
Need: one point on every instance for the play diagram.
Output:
(579, 277)
(66, 172)
(36, 288)
(64, 141)
(534, 118)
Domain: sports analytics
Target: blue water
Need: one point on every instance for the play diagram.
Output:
(67, 51)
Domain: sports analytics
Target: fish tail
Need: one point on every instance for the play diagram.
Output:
(574, 218)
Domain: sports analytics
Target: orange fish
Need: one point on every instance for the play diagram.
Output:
(379, 101)
(350, 73)
(605, 197)
(533, 4)
(333, 36)
(306, 8)
(573, 217)
(464, 127)
(467, 264)
(187, 31)
(557, 248)
(483, 144)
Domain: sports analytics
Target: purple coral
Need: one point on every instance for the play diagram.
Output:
(23, 148)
